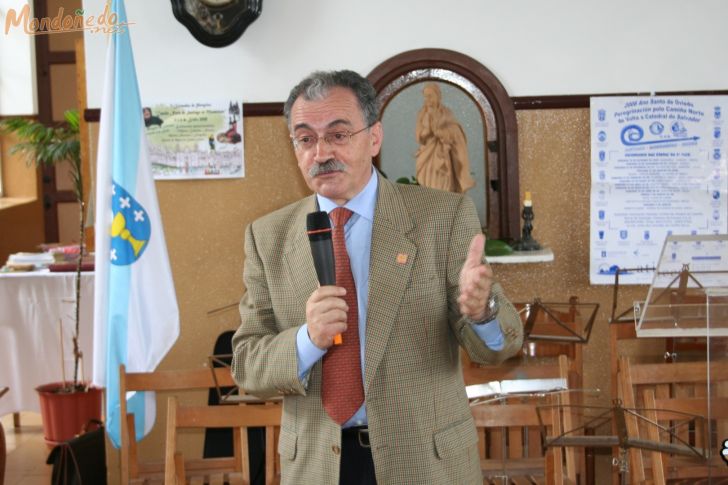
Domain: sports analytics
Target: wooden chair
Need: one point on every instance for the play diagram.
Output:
(234, 470)
(510, 431)
(547, 338)
(544, 357)
(176, 381)
(666, 394)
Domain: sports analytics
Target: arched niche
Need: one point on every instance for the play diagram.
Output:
(498, 131)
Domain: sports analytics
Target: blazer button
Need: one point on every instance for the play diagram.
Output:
(336, 449)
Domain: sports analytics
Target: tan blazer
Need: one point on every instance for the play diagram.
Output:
(421, 429)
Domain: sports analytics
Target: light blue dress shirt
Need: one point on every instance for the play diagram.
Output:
(358, 236)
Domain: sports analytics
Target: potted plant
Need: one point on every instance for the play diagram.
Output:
(47, 146)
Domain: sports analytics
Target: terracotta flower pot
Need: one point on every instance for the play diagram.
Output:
(64, 414)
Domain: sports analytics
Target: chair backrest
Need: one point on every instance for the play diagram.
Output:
(221, 470)
(667, 396)
(510, 430)
(132, 470)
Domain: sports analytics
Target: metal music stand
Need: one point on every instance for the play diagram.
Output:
(552, 327)
(232, 395)
(613, 422)
(512, 432)
(627, 315)
(227, 395)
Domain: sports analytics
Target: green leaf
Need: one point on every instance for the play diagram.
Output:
(45, 145)
(496, 247)
(407, 181)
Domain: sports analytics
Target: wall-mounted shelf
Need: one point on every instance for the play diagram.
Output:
(541, 256)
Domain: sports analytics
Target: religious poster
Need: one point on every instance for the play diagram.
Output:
(658, 168)
(195, 140)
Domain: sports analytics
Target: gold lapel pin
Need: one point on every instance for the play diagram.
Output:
(401, 258)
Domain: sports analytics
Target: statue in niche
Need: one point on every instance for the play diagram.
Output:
(442, 159)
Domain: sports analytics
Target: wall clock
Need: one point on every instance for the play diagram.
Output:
(217, 23)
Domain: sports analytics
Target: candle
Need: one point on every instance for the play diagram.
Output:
(527, 201)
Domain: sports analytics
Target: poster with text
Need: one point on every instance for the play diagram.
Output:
(191, 140)
(658, 167)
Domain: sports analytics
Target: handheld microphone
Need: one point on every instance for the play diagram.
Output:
(318, 229)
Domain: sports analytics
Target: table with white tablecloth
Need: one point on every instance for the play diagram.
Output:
(34, 307)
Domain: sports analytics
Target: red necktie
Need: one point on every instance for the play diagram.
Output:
(342, 393)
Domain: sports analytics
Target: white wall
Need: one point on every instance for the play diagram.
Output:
(17, 66)
(535, 47)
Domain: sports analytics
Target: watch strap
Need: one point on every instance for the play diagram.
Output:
(492, 307)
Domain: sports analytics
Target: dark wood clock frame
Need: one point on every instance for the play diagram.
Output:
(232, 17)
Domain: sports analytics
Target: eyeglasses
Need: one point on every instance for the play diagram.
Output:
(334, 138)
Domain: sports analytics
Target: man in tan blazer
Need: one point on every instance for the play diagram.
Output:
(422, 291)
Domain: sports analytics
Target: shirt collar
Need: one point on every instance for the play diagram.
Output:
(361, 204)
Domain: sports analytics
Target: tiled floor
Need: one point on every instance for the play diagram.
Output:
(27, 452)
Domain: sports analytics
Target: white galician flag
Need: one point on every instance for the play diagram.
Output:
(136, 319)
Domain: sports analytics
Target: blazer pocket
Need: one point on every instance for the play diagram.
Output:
(424, 288)
(450, 441)
(287, 444)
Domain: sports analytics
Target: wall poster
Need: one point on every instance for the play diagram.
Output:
(189, 140)
(658, 168)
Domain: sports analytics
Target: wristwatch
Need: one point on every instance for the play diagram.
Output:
(492, 312)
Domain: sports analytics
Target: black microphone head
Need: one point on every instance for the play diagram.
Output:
(318, 226)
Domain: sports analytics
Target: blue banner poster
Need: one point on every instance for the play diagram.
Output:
(658, 168)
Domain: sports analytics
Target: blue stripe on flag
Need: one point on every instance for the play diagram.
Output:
(124, 165)
(128, 112)
(138, 326)
(123, 169)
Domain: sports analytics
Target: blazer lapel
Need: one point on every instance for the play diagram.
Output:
(392, 256)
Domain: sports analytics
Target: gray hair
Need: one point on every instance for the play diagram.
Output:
(316, 86)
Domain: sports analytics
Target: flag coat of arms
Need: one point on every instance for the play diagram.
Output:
(136, 318)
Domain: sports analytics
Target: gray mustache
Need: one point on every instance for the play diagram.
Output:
(330, 165)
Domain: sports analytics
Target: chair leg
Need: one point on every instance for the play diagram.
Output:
(3, 452)
(179, 468)
(170, 451)
(270, 453)
(550, 467)
(658, 472)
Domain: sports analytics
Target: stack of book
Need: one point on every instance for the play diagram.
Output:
(27, 262)
(55, 258)
(495, 390)
(87, 264)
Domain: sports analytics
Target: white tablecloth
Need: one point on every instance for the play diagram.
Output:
(31, 305)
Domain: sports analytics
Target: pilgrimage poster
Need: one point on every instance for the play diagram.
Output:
(189, 140)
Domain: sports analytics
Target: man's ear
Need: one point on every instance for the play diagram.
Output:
(376, 136)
